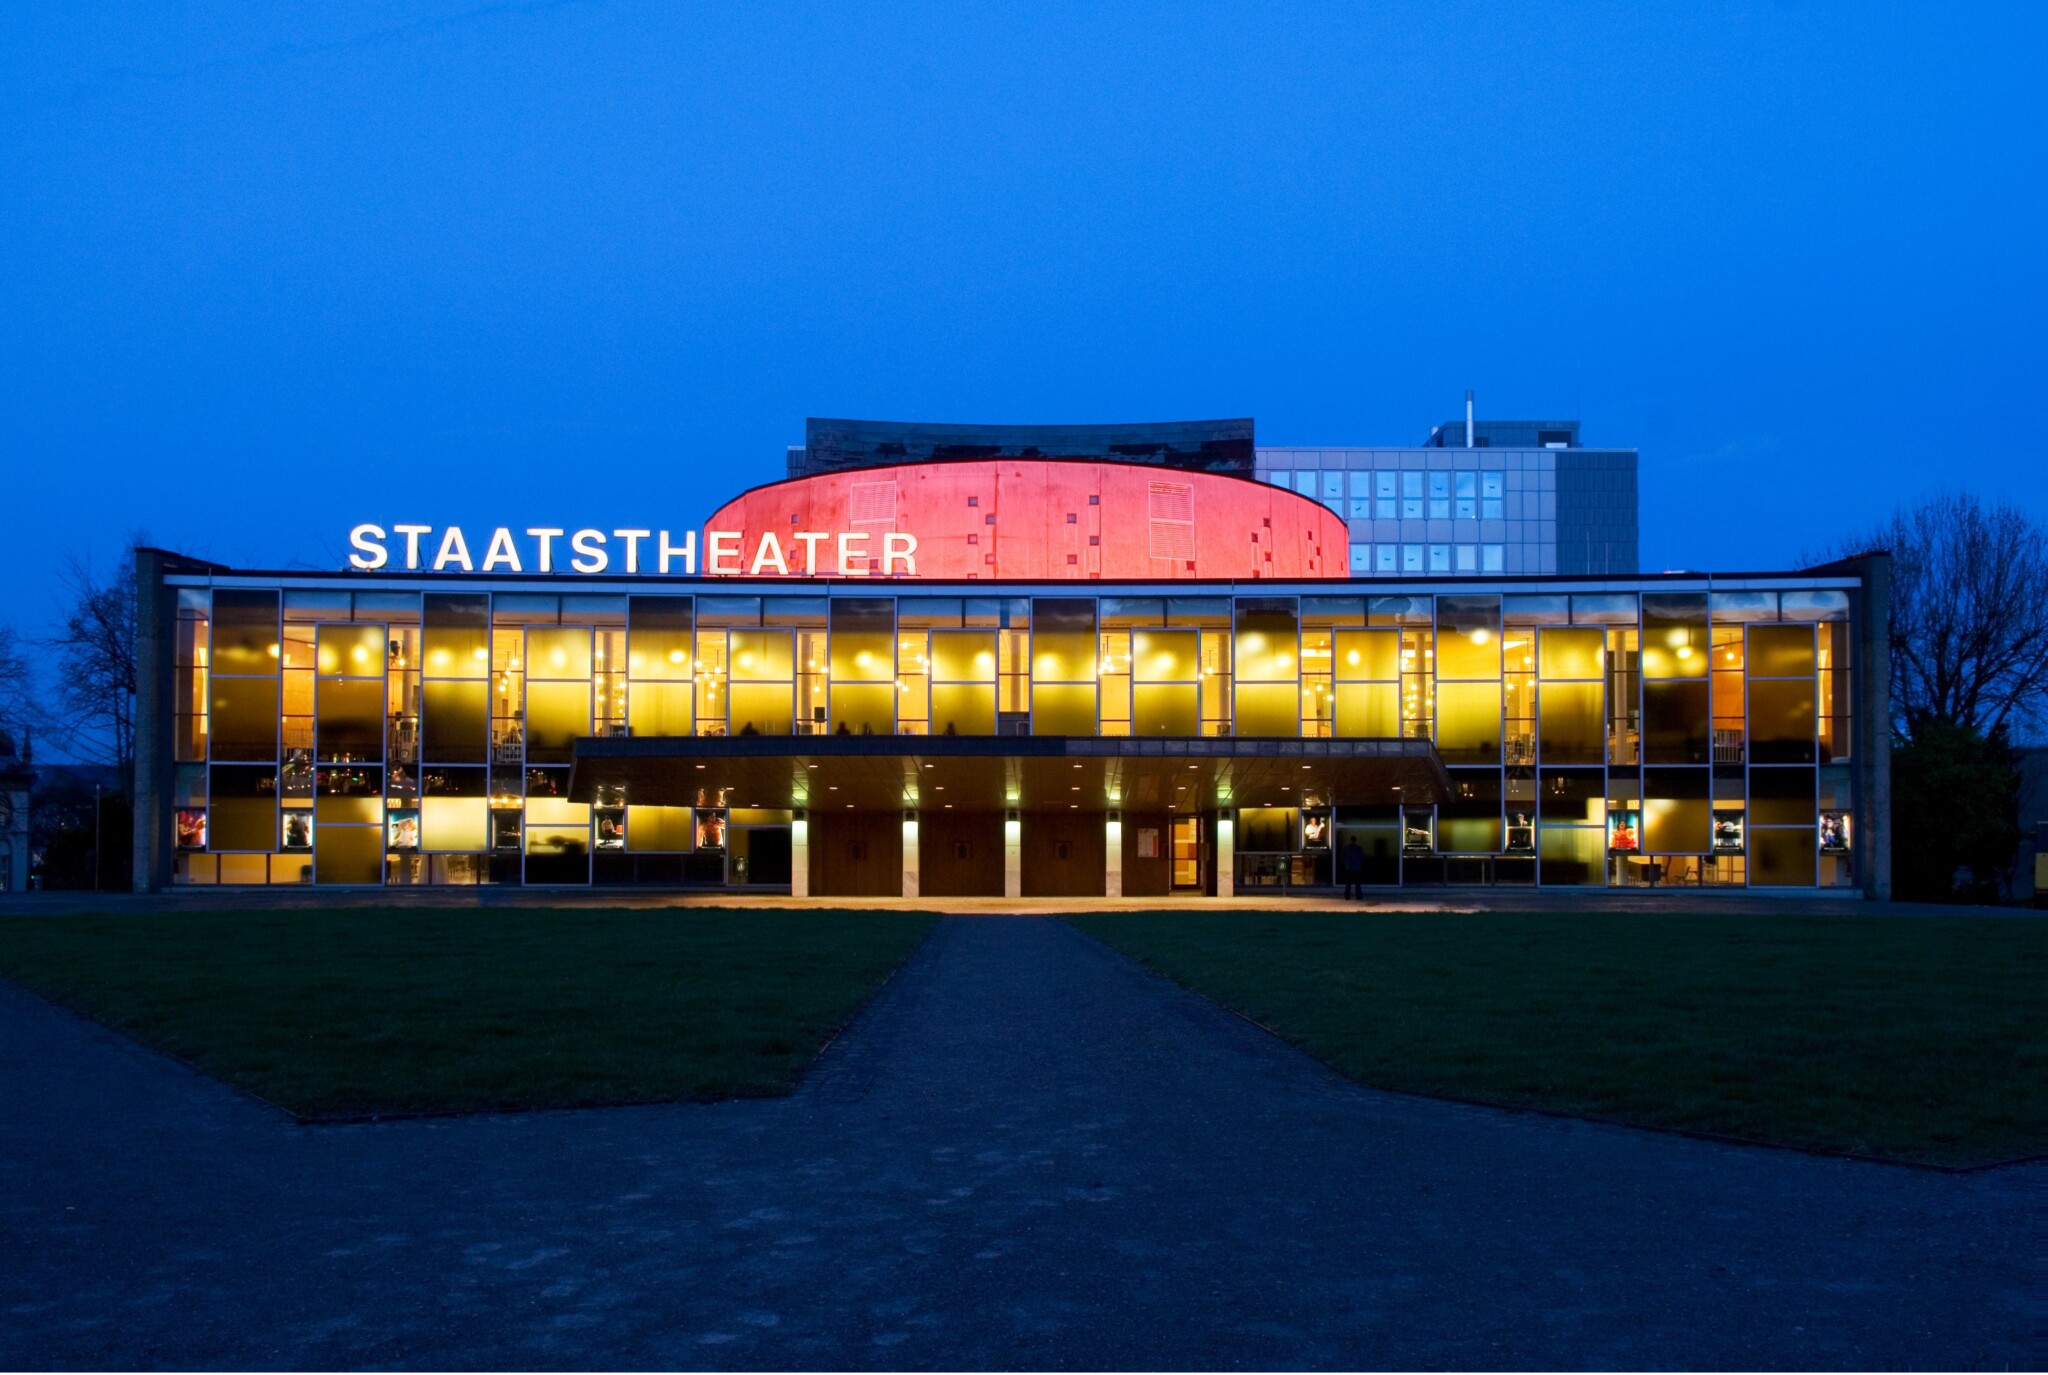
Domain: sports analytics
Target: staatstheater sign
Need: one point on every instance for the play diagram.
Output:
(589, 552)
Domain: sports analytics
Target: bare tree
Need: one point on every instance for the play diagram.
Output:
(94, 716)
(17, 688)
(1969, 615)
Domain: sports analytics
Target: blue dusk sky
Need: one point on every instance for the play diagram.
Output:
(274, 269)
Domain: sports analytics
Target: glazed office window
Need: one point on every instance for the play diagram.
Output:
(350, 720)
(188, 705)
(295, 691)
(1318, 702)
(455, 635)
(454, 810)
(1305, 482)
(1411, 496)
(1468, 722)
(1418, 683)
(241, 808)
(246, 639)
(1624, 678)
(1491, 487)
(1832, 665)
(1113, 658)
(1368, 677)
(1570, 724)
(1467, 638)
(1469, 821)
(1384, 507)
(1518, 694)
(1571, 797)
(1677, 811)
(1333, 489)
(558, 691)
(661, 665)
(1063, 651)
(1466, 497)
(402, 694)
(1675, 640)
(1783, 696)
(1492, 558)
(1571, 856)
(242, 718)
(455, 722)
(1728, 700)
(1217, 689)
(1439, 496)
(658, 639)
(761, 683)
(1166, 672)
(1386, 558)
(1676, 725)
(712, 682)
(1781, 797)
(1266, 649)
(1439, 558)
(508, 690)
(913, 682)
(1781, 857)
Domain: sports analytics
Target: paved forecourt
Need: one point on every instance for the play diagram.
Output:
(1027, 1152)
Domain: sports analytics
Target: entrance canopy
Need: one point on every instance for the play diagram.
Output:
(986, 773)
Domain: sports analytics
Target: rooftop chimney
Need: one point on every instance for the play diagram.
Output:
(1468, 417)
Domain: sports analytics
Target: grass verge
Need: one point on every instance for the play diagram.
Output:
(355, 1012)
(1913, 1039)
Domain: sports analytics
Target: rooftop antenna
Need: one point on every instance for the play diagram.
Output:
(1468, 417)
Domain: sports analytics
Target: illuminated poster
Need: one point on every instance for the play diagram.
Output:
(1148, 842)
(710, 830)
(1315, 830)
(1834, 832)
(402, 830)
(611, 829)
(298, 829)
(1727, 833)
(192, 828)
(1624, 830)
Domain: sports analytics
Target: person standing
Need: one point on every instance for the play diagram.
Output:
(1351, 863)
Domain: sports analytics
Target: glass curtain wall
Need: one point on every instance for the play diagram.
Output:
(407, 737)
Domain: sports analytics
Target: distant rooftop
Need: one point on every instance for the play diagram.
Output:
(1506, 434)
(1212, 446)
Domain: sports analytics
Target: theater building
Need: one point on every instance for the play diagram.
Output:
(1059, 675)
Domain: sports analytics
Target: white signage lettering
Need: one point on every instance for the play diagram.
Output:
(727, 553)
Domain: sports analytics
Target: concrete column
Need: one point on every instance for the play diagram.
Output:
(156, 636)
(1013, 855)
(1226, 852)
(800, 855)
(1113, 855)
(910, 865)
(1870, 667)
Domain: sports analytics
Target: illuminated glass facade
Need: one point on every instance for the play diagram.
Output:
(1673, 732)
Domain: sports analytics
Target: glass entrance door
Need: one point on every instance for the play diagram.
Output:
(1187, 854)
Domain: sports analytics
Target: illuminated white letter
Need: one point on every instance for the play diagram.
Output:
(453, 550)
(768, 554)
(369, 539)
(899, 548)
(632, 539)
(720, 545)
(501, 551)
(848, 553)
(589, 545)
(412, 535)
(547, 548)
(809, 540)
(686, 551)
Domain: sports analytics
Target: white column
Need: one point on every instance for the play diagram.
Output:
(910, 866)
(1226, 853)
(800, 856)
(1013, 856)
(1113, 855)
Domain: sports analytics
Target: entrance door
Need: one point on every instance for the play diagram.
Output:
(1187, 854)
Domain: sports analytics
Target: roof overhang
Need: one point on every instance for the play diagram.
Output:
(990, 773)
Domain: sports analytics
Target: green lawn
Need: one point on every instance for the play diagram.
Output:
(1921, 1039)
(351, 1011)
